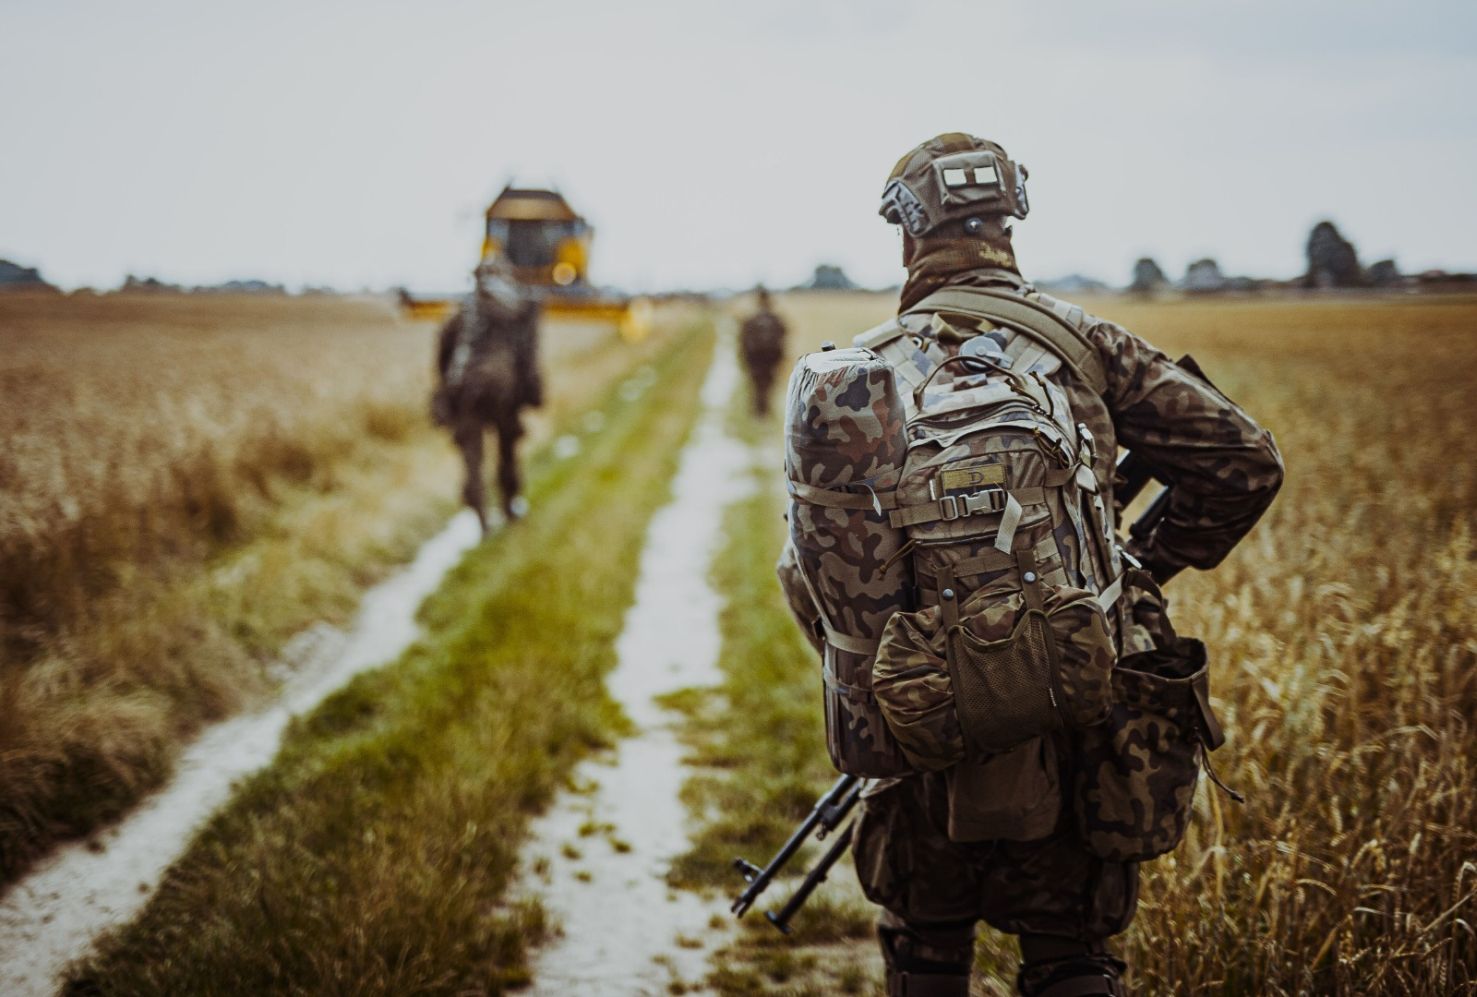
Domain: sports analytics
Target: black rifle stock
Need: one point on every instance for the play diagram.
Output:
(827, 814)
(1134, 472)
(1131, 477)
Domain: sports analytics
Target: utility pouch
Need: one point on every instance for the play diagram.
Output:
(1011, 796)
(1138, 769)
(1021, 671)
(979, 180)
(1009, 673)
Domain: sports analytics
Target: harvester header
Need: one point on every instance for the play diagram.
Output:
(546, 244)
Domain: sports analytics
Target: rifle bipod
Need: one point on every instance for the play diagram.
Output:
(827, 814)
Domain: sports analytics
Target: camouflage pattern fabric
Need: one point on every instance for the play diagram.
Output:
(1136, 773)
(950, 177)
(908, 864)
(845, 443)
(988, 692)
(1225, 468)
(1122, 787)
(762, 345)
(1128, 781)
(953, 216)
(994, 475)
(487, 360)
(487, 373)
(797, 597)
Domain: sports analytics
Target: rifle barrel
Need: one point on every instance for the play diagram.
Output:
(814, 878)
(828, 811)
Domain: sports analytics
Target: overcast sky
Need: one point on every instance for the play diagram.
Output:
(711, 144)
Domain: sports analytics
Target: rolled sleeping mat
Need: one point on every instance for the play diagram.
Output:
(845, 444)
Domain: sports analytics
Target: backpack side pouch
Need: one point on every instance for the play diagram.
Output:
(1138, 770)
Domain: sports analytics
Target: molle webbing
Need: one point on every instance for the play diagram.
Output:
(864, 646)
(855, 693)
(1028, 317)
(991, 560)
(952, 507)
(831, 498)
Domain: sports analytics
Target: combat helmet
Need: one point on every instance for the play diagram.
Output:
(951, 177)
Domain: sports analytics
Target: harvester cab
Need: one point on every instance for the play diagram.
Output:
(539, 235)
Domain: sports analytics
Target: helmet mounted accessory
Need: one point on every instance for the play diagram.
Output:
(954, 177)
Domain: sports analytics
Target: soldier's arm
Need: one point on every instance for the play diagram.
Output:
(797, 596)
(530, 371)
(446, 344)
(1224, 468)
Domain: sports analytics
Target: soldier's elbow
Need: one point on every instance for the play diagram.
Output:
(1273, 469)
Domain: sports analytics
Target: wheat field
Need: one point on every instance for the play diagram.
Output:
(1343, 635)
(1343, 631)
(186, 481)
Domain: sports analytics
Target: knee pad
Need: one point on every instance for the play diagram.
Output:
(1068, 967)
(926, 960)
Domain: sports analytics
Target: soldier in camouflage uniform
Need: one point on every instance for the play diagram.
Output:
(1057, 892)
(487, 368)
(762, 343)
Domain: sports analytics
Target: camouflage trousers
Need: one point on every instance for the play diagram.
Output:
(761, 371)
(1052, 886)
(468, 432)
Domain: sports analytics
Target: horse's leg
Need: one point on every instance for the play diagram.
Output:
(468, 435)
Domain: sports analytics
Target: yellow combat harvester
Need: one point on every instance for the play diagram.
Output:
(547, 245)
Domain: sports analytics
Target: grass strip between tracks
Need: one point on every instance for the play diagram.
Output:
(759, 742)
(372, 856)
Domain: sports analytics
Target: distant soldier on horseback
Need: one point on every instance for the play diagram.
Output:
(762, 343)
(487, 368)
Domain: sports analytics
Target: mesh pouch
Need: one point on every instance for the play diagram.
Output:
(1004, 690)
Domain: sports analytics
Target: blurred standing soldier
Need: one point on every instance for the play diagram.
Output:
(762, 342)
(487, 368)
(952, 197)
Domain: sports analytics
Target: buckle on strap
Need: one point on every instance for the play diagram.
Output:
(952, 507)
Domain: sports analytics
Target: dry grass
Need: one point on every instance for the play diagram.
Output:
(187, 481)
(372, 856)
(1344, 635)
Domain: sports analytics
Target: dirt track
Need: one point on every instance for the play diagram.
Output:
(52, 915)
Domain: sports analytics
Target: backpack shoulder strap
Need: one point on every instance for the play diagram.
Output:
(1030, 318)
(879, 336)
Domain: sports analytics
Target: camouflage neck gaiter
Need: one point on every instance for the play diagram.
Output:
(939, 258)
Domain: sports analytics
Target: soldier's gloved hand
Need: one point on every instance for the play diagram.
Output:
(441, 407)
(1159, 563)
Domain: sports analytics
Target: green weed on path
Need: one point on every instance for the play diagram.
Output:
(187, 484)
(372, 857)
(758, 741)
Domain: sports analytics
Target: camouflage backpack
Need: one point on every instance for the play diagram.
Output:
(946, 521)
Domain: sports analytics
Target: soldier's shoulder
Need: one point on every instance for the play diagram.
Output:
(1073, 314)
(1102, 332)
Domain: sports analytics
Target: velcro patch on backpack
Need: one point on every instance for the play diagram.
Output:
(969, 477)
